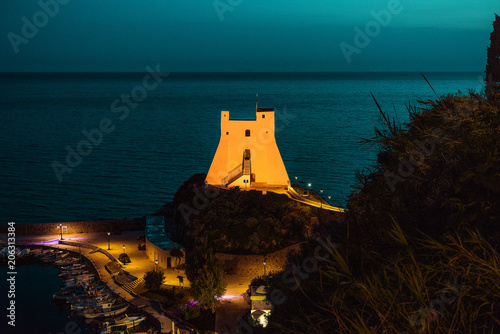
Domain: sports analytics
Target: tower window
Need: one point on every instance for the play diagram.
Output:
(247, 133)
(227, 133)
(263, 116)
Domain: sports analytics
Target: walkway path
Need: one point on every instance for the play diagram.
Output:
(140, 264)
(292, 194)
(296, 197)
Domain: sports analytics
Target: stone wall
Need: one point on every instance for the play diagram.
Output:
(113, 226)
(253, 265)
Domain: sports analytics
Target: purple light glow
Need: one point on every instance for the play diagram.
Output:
(55, 241)
(228, 297)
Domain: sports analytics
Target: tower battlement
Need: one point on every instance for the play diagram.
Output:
(247, 153)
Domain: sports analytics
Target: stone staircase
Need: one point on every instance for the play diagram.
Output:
(244, 168)
(233, 174)
(132, 285)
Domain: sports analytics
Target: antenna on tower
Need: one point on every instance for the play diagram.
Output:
(257, 103)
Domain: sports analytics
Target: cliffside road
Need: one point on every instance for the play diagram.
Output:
(296, 197)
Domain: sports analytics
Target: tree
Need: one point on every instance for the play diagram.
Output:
(206, 275)
(493, 59)
(154, 279)
(178, 254)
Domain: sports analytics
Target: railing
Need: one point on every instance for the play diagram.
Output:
(77, 244)
(247, 168)
(94, 248)
(233, 172)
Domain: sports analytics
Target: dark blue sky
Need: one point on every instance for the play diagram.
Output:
(246, 35)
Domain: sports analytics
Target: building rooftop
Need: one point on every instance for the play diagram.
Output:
(155, 233)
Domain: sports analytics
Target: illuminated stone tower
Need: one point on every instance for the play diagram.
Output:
(247, 155)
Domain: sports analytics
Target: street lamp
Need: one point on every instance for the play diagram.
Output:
(321, 200)
(329, 199)
(295, 180)
(156, 261)
(60, 226)
(309, 187)
(108, 240)
(264, 267)
(124, 248)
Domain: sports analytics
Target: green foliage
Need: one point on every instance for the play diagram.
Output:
(206, 276)
(246, 221)
(177, 253)
(154, 279)
(189, 313)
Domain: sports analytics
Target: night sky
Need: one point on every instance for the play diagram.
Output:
(246, 35)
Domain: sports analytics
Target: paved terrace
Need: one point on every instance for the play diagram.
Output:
(232, 305)
(136, 269)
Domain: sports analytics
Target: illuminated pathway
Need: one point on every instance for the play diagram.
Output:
(137, 268)
(296, 197)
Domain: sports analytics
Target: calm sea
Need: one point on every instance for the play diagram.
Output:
(174, 131)
(35, 312)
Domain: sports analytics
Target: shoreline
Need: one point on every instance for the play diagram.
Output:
(98, 261)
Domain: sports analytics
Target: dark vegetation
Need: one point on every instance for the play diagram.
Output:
(206, 275)
(233, 221)
(154, 279)
(493, 59)
(170, 297)
(418, 252)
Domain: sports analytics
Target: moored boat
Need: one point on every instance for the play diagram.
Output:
(100, 312)
(66, 262)
(81, 307)
(74, 266)
(4, 252)
(125, 320)
(74, 272)
(22, 252)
